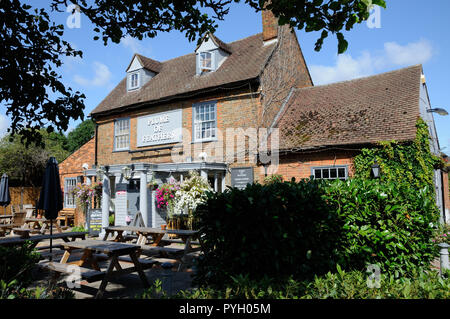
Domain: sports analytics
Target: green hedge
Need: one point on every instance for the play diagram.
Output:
(307, 228)
(274, 230)
(383, 223)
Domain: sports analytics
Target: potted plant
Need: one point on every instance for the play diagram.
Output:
(192, 193)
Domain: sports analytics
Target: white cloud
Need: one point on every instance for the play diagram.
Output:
(134, 45)
(412, 53)
(368, 63)
(102, 76)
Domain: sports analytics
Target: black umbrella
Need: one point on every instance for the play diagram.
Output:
(51, 199)
(5, 198)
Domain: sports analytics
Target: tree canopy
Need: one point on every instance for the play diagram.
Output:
(32, 45)
(26, 165)
(80, 135)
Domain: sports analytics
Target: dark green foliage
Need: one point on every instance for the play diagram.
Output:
(16, 263)
(421, 284)
(339, 284)
(82, 134)
(26, 165)
(304, 229)
(193, 18)
(408, 163)
(275, 230)
(384, 223)
(32, 49)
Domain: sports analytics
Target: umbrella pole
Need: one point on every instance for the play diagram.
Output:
(51, 233)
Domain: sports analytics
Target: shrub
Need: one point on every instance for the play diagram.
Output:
(16, 263)
(383, 223)
(421, 284)
(273, 230)
(306, 228)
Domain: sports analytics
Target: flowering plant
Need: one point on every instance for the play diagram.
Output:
(192, 193)
(165, 194)
(84, 194)
(443, 235)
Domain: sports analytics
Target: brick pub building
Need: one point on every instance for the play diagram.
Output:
(205, 110)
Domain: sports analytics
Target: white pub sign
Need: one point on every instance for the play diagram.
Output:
(159, 128)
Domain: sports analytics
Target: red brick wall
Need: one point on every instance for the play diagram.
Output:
(285, 69)
(72, 165)
(235, 109)
(299, 165)
(270, 25)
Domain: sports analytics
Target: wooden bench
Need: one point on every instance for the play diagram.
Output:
(145, 263)
(87, 274)
(178, 241)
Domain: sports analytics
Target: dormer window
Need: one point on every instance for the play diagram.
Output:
(206, 62)
(210, 54)
(134, 80)
(140, 71)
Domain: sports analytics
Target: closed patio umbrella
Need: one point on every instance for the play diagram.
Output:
(50, 199)
(5, 198)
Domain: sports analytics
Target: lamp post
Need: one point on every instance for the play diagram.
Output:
(376, 169)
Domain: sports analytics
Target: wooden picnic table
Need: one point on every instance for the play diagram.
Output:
(142, 232)
(41, 223)
(114, 251)
(66, 237)
(157, 235)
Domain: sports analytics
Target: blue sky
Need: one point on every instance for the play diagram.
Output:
(411, 32)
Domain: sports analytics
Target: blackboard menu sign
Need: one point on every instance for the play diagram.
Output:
(241, 176)
(94, 222)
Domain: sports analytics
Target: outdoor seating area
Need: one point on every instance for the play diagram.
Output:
(105, 259)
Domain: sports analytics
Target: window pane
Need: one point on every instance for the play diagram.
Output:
(317, 173)
(122, 134)
(341, 172)
(325, 173)
(333, 172)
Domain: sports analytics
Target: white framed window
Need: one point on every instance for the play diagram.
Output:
(330, 172)
(134, 80)
(204, 121)
(122, 134)
(206, 63)
(69, 196)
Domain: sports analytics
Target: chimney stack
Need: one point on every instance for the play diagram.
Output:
(270, 25)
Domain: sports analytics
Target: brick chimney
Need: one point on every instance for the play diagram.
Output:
(270, 25)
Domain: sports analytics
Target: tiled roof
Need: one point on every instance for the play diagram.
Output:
(177, 77)
(150, 64)
(366, 110)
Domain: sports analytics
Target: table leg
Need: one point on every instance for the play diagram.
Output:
(139, 270)
(58, 226)
(43, 228)
(107, 232)
(65, 257)
(101, 289)
(157, 239)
